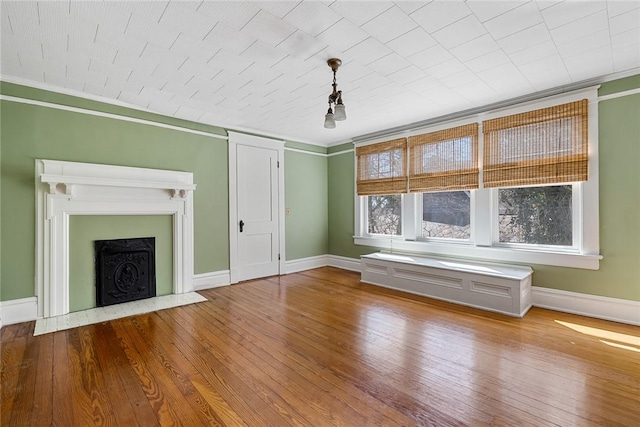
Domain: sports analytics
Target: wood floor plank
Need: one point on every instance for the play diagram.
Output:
(320, 348)
(13, 348)
(63, 409)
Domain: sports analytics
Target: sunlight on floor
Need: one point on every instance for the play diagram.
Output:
(630, 340)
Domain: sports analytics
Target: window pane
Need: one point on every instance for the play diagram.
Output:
(446, 215)
(536, 215)
(385, 214)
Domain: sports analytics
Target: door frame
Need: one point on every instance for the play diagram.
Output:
(235, 139)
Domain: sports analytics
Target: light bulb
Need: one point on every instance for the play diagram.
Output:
(340, 113)
(329, 121)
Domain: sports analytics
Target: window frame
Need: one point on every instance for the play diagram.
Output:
(483, 242)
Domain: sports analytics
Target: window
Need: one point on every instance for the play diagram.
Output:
(446, 215)
(536, 215)
(517, 187)
(385, 214)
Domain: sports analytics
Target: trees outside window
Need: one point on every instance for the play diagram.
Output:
(536, 215)
(385, 214)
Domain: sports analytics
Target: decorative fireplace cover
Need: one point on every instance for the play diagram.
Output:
(125, 270)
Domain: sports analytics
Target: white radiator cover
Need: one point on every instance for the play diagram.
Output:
(495, 287)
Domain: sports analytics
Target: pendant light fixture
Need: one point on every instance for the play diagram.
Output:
(335, 99)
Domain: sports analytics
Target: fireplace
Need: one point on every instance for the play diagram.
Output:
(125, 270)
(68, 188)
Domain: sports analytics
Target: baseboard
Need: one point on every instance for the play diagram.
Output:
(615, 309)
(352, 264)
(18, 311)
(309, 263)
(213, 279)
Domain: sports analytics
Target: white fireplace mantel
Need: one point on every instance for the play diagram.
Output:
(69, 188)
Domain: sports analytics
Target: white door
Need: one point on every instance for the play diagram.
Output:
(257, 225)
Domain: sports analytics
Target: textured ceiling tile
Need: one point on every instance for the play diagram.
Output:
(430, 57)
(152, 10)
(351, 70)
(455, 80)
(412, 42)
(625, 22)
(22, 17)
(477, 90)
(586, 43)
(230, 62)
(301, 45)
(615, 8)
(439, 14)
(146, 30)
(343, 35)
(263, 53)
(488, 61)
(187, 113)
(526, 38)
(187, 20)
(475, 48)
(513, 21)
(507, 82)
(235, 14)
(195, 49)
(459, 32)
(54, 15)
(279, 9)
(268, 28)
(409, 6)
(292, 66)
(407, 75)
(357, 14)
(389, 64)
(389, 25)
(486, 10)
(125, 45)
(600, 58)
(163, 107)
(107, 14)
(534, 53)
(626, 53)
(538, 72)
(580, 28)
(446, 68)
(167, 59)
(228, 38)
(323, 17)
(368, 51)
(565, 12)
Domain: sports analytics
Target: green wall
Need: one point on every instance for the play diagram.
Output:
(319, 190)
(306, 198)
(32, 132)
(619, 157)
(85, 229)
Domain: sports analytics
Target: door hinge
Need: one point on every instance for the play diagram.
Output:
(278, 257)
(278, 164)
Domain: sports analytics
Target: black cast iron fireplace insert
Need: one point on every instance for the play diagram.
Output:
(125, 270)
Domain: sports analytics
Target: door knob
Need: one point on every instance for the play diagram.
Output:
(241, 225)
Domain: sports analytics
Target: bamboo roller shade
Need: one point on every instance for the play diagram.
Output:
(545, 146)
(444, 160)
(381, 168)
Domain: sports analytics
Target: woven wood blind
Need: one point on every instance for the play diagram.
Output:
(381, 168)
(545, 146)
(444, 160)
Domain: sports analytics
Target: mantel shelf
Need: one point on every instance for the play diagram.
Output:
(114, 182)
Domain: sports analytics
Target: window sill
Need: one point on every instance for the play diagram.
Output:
(560, 259)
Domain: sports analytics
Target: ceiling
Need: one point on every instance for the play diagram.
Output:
(261, 66)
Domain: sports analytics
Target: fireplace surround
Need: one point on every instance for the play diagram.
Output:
(71, 188)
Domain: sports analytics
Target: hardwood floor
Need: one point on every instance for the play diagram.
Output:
(319, 348)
